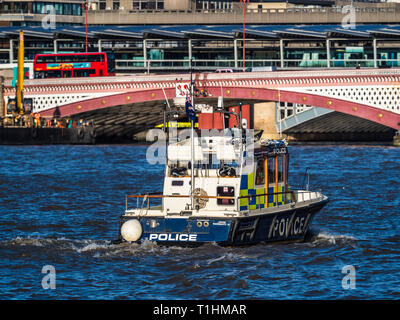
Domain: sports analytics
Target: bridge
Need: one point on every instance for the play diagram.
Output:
(124, 105)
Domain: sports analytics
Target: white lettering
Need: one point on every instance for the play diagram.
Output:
(301, 225)
(349, 280)
(49, 280)
(170, 237)
(162, 237)
(275, 227)
(192, 237)
(295, 228)
(49, 20)
(183, 237)
(166, 310)
(153, 236)
(173, 237)
(282, 227)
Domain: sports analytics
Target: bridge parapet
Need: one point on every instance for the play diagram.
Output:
(369, 93)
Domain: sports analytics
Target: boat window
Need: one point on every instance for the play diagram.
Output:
(225, 191)
(177, 183)
(260, 176)
(281, 168)
(271, 170)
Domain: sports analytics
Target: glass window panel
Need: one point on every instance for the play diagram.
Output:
(271, 170)
(68, 9)
(58, 8)
(135, 5)
(281, 171)
(260, 176)
(152, 5)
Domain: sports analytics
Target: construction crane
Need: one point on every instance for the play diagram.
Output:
(20, 75)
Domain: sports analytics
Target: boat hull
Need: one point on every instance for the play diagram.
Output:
(290, 225)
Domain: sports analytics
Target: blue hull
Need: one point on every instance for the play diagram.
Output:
(285, 226)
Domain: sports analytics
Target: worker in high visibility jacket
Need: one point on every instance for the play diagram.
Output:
(37, 120)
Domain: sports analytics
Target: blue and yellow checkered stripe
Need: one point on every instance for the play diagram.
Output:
(247, 188)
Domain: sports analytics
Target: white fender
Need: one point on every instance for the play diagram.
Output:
(131, 230)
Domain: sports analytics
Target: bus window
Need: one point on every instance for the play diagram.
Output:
(110, 63)
(39, 74)
(49, 59)
(84, 73)
(53, 74)
(67, 74)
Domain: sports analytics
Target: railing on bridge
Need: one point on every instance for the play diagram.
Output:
(213, 64)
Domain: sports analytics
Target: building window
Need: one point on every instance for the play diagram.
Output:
(136, 5)
(102, 5)
(68, 9)
(76, 9)
(212, 5)
(115, 5)
(58, 8)
(147, 4)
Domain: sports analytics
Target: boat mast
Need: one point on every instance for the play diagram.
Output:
(20, 75)
(192, 137)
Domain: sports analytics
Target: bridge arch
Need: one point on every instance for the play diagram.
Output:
(384, 117)
(381, 116)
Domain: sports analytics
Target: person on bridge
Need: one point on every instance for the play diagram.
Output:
(37, 120)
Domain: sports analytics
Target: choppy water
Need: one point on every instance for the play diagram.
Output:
(60, 206)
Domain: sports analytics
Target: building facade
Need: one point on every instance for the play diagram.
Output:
(165, 35)
(211, 47)
(166, 12)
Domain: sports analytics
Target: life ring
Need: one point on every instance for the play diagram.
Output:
(178, 172)
(226, 170)
(202, 199)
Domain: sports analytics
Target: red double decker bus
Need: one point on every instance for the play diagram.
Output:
(71, 65)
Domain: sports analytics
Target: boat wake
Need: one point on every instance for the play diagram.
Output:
(106, 248)
(97, 248)
(317, 237)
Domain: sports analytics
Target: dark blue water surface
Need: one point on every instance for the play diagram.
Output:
(60, 206)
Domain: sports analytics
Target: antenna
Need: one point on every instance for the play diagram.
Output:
(192, 136)
(280, 114)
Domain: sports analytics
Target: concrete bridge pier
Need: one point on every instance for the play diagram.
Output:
(265, 119)
(2, 105)
(396, 139)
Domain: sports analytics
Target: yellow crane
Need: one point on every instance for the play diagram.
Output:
(20, 75)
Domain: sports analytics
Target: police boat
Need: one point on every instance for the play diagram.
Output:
(229, 188)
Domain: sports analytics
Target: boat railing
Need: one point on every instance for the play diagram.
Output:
(146, 198)
(293, 196)
(306, 195)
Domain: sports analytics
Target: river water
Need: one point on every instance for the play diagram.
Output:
(60, 207)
